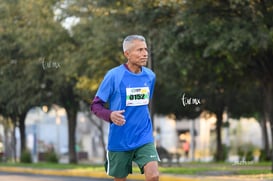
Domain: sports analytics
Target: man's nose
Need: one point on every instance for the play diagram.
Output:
(145, 53)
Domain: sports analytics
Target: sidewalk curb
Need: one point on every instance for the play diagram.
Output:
(82, 173)
(135, 176)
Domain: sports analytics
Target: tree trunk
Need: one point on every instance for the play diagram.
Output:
(22, 131)
(13, 138)
(219, 152)
(6, 142)
(14, 155)
(102, 138)
(72, 122)
(268, 111)
(265, 138)
(151, 66)
(99, 125)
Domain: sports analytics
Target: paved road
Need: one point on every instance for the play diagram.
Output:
(31, 177)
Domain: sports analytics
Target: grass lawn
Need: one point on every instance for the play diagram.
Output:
(192, 168)
(247, 168)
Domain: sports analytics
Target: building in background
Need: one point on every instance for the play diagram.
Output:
(237, 134)
(48, 129)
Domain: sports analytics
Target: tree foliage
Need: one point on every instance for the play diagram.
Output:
(230, 37)
(30, 59)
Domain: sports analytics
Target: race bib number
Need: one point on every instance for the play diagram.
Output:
(137, 96)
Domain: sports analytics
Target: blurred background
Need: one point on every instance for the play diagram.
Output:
(213, 61)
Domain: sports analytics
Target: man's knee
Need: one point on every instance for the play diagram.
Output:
(153, 176)
(151, 171)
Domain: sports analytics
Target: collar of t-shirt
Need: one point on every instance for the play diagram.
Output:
(126, 66)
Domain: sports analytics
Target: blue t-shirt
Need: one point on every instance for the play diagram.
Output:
(124, 90)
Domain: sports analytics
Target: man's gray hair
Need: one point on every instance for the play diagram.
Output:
(129, 39)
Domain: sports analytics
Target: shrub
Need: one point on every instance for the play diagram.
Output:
(249, 155)
(26, 157)
(224, 154)
(51, 157)
(264, 156)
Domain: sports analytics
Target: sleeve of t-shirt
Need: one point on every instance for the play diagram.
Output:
(98, 108)
(106, 87)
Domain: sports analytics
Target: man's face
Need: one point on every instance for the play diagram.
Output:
(137, 54)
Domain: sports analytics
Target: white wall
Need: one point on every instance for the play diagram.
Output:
(168, 137)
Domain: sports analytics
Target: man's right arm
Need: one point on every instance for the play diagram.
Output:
(98, 108)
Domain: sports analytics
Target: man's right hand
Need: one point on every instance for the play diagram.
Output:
(117, 117)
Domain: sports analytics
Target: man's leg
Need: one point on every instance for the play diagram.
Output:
(119, 164)
(151, 171)
(147, 159)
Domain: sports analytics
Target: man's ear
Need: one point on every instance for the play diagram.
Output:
(126, 54)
